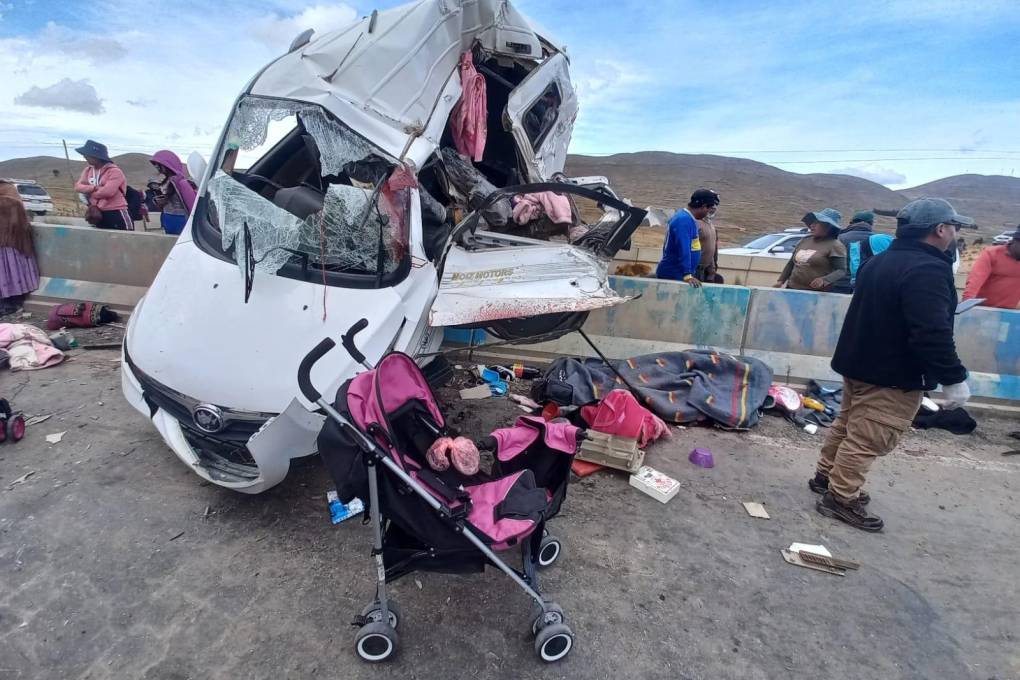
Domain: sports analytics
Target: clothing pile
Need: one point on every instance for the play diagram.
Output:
(679, 387)
(27, 347)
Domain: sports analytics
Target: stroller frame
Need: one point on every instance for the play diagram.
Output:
(377, 640)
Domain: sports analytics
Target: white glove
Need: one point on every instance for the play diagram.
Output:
(955, 396)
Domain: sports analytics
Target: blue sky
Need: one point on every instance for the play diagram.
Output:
(899, 91)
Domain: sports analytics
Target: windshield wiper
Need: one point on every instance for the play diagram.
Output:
(250, 261)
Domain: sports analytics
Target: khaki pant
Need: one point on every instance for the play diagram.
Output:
(870, 423)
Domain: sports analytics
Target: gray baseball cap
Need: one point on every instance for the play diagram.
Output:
(925, 213)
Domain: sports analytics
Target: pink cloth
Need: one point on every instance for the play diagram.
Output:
(467, 121)
(529, 207)
(104, 187)
(621, 414)
(461, 451)
(484, 499)
(512, 441)
(29, 347)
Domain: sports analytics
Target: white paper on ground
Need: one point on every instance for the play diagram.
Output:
(817, 549)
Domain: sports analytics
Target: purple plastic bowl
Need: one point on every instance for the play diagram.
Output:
(702, 458)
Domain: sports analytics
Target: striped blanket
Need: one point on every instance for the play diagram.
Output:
(679, 387)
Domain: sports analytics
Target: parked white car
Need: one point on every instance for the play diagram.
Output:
(36, 199)
(1003, 238)
(331, 197)
(779, 245)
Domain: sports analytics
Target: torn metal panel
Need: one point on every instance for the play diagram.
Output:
(396, 72)
(550, 79)
(515, 282)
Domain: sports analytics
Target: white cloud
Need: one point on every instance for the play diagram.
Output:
(141, 102)
(279, 31)
(97, 49)
(72, 95)
(874, 173)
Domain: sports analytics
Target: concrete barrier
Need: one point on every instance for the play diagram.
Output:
(84, 263)
(794, 332)
(737, 270)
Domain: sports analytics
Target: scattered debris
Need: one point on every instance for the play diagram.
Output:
(418, 583)
(756, 510)
(177, 535)
(583, 469)
(702, 458)
(103, 345)
(206, 513)
(794, 558)
(1014, 452)
(655, 484)
(55, 437)
(35, 420)
(817, 557)
(526, 402)
(610, 450)
(477, 392)
(21, 479)
(338, 512)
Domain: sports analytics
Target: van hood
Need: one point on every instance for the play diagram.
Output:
(207, 344)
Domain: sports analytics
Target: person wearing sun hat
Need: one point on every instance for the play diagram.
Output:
(896, 342)
(819, 260)
(104, 185)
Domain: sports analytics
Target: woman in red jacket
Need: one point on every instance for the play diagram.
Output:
(104, 185)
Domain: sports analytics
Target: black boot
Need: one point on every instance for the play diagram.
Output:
(820, 484)
(853, 513)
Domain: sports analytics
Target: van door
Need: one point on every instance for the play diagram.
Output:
(541, 113)
(515, 286)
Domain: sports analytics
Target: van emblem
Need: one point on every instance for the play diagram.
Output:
(208, 418)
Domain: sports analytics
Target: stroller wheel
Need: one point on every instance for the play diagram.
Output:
(549, 550)
(373, 613)
(376, 642)
(554, 642)
(540, 619)
(15, 428)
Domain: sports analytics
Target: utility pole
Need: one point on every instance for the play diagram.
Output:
(70, 177)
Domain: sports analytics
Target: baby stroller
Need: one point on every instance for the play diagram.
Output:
(374, 445)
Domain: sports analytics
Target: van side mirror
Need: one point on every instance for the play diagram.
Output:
(197, 166)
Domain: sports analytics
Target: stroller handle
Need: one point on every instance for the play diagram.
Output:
(305, 369)
(347, 339)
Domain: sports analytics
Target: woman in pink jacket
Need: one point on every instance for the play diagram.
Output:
(104, 185)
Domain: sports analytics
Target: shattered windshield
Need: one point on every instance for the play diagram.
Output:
(293, 185)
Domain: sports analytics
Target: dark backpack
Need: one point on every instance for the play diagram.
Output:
(135, 199)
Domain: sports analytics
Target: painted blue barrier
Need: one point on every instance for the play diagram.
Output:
(794, 332)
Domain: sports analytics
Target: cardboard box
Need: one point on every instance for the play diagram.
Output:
(657, 485)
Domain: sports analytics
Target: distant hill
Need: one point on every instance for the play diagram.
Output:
(992, 200)
(759, 198)
(136, 167)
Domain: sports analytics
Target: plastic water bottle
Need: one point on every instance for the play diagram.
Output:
(338, 512)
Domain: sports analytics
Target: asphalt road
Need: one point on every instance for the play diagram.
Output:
(117, 562)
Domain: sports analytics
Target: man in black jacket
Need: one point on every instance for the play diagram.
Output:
(896, 342)
(862, 226)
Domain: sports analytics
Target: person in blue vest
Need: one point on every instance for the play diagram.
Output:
(862, 243)
(681, 251)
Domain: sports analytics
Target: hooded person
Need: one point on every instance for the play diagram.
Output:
(19, 273)
(857, 238)
(176, 195)
(818, 261)
(104, 186)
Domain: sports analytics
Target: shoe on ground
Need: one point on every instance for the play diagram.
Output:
(853, 513)
(820, 484)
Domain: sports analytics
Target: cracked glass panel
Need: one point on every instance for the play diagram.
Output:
(310, 191)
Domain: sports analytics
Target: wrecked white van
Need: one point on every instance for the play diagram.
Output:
(336, 193)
